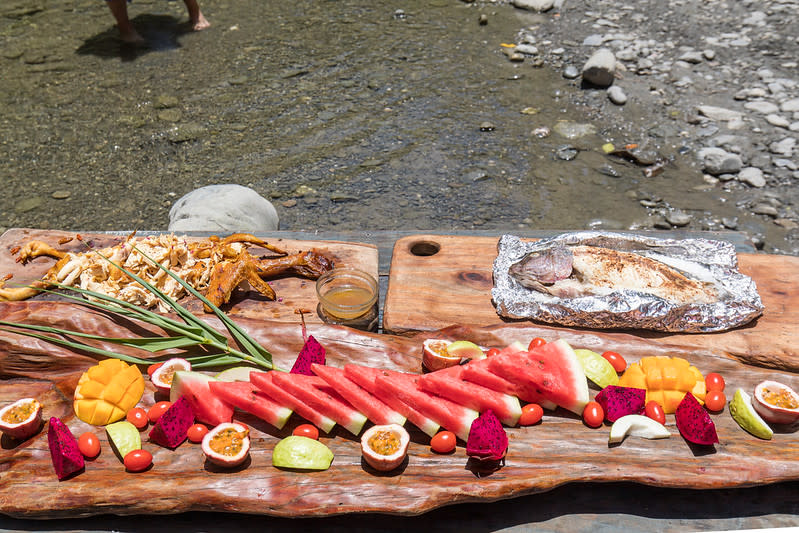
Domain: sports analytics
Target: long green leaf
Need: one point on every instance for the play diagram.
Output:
(242, 337)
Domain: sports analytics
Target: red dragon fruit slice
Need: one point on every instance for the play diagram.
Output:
(312, 352)
(620, 401)
(694, 423)
(64, 450)
(170, 429)
(487, 438)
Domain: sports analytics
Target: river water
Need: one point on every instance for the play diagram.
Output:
(347, 115)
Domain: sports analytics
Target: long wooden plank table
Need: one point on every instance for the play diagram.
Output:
(605, 507)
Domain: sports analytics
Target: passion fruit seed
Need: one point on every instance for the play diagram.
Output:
(228, 444)
(20, 413)
(384, 442)
(228, 441)
(385, 447)
(21, 419)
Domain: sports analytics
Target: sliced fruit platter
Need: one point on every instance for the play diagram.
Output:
(368, 422)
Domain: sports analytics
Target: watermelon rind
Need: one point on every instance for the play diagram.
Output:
(207, 407)
(249, 398)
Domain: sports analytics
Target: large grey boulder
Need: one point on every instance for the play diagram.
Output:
(224, 209)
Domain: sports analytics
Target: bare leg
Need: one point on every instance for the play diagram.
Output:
(119, 8)
(196, 17)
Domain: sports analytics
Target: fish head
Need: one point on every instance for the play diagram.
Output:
(543, 266)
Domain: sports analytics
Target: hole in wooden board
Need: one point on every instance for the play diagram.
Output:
(425, 248)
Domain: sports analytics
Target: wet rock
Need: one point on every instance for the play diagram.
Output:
(678, 218)
(166, 101)
(752, 176)
(765, 209)
(566, 152)
(487, 126)
(573, 130)
(527, 49)
(223, 208)
(600, 68)
(170, 115)
(692, 56)
(718, 113)
(616, 95)
(185, 133)
(716, 161)
(730, 222)
(29, 204)
(61, 194)
(593, 40)
(541, 132)
(534, 5)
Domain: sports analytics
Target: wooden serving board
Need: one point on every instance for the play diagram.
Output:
(292, 292)
(559, 450)
(437, 281)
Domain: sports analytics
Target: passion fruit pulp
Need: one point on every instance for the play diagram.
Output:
(21, 419)
(776, 403)
(228, 444)
(384, 447)
(163, 376)
(440, 353)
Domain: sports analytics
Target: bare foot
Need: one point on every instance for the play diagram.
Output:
(131, 36)
(200, 24)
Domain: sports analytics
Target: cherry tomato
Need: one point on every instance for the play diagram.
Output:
(138, 417)
(655, 411)
(152, 368)
(714, 382)
(138, 460)
(593, 414)
(443, 442)
(492, 352)
(196, 432)
(306, 430)
(89, 445)
(616, 360)
(157, 410)
(715, 400)
(535, 343)
(531, 414)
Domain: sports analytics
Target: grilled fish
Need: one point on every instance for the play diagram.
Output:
(573, 272)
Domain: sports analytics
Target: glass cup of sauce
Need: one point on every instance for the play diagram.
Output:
(348, 296)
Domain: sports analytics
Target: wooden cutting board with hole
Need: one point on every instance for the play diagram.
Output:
(437, 281)
(292, 292)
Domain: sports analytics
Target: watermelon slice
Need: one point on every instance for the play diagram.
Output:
(551, 370)
(315, 392)
(448, 384)
(447, 414)
(365, 377)
(479, 372)
(249, 398)
(263, 380)
(206, 406)
(364, 401)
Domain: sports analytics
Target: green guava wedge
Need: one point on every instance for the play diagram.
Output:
(301, 453)
(744, 413)
(597, 368)
(237, 373)
(124, 436)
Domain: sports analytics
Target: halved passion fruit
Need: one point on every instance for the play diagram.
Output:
(441, 353)
(776, 403)
(162, 377)
(228, 444)
(21, 419)
(385, 447)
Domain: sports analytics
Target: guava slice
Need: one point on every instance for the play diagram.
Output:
(124, 436)
(637, 426)
(237, 373)
(465, 350)
(301, 453)
(743, 412)
(597, 368)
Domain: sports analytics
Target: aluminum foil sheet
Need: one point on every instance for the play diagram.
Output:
(709, 263)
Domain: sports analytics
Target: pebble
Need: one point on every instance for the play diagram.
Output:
(487, 126)
(778, 120)
(571, 72)
(616, 95)
(573, 130)
(761, 106)
(752, 176)
(534, 5)
(600, 68)
(61, 194)
(566, 152)
(223, 208)
(718, 113)
(765, 209)
(717, 161)
(678, 218)
(790, 106)
(784, 147)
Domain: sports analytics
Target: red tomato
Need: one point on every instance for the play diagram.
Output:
(492, 352)
(152, 368)
(306, 430)
(196, 432)
(655, 411)
(138, 460)
(531, 414)
(89, 445)
(535, 343)
(715, 400)
(593, 414)
(443, 442)
(616, 360)
(138, 417)
(157, 410)
(714, 382)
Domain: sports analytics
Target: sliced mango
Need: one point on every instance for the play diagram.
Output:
(107, 391)
(666, 380)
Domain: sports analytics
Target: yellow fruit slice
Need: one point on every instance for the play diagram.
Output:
(107, 391)
(666, 380)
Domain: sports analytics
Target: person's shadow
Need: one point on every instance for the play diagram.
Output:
(160, 31)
